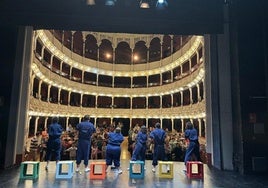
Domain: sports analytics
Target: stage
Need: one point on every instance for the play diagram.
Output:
(10, 178)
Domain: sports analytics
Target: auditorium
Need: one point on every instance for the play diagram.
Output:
(132, 63)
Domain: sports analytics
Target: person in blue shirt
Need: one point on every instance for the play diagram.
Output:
(192, 151)
(140, 145)
(158, 137)
(85, 131)
(54, 141)
(113, 150)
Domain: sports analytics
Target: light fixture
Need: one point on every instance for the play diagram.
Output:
(110, 2)
(144, 4)
(135, 57)
(108, 56)
(90, 2)
(161, 4)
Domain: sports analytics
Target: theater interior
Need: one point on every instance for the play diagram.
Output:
(203, 61)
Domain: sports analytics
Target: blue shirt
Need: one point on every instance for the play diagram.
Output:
(191, 134)
(86, 129)
(159, 136)
(115, 139)
(54, 131)
(141, 137)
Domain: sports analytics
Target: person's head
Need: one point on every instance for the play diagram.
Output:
(86, 118)
(189, 125)
(55, 120)
(117, 130)
(157, 125)
(143, 129)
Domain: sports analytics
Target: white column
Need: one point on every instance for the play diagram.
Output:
(61, 66)
(182, 125)
(42, 52)
(199, 127)
(45, 126)
(130, 122)
(81, 99)
(69, 97)
(191, 95)
(48, 93)
(59, 91)
(39, 89)
(96, 101)
(198, 93)
(181, 92)
(67, 122)
(36, 125)
(190, 65)
(82, 79)
(51, 61)
(70, 73)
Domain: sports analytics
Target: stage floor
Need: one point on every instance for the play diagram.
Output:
(213, 178)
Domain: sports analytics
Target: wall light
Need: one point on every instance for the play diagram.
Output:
(161, 4)
(90, 2)
(110, 2)
(144, 4)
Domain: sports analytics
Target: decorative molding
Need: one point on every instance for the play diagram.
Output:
(41, 108)
(93, 66)
(51, 78)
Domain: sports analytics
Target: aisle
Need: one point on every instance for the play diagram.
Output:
(124, 149)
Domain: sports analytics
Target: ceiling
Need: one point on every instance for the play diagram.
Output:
(181, 16)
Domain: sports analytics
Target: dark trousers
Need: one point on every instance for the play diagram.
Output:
(53, 146)
(83, 151)
(139, 152)
(192, 151)
(113, 154)
(159, 154)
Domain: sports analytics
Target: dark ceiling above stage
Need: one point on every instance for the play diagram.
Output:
(181, 17)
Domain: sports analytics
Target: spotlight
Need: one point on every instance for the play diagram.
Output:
(110, 2)
(144, 4)
(161, 4)
(90, 2)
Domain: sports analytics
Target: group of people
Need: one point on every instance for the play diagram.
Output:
(85, 128)
(85, 131)
(113, 148)
(158, 137)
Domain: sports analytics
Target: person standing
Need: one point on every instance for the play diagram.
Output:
(54, 141)
(43, 147)
(192, 150)
(140, 145)
(34, 147)
(113, 151)
(85, 131)
(158, 136)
